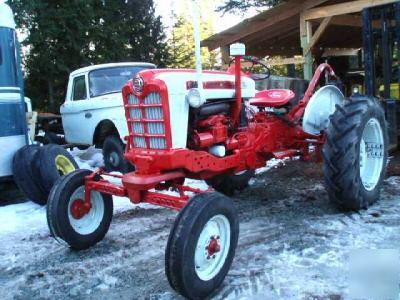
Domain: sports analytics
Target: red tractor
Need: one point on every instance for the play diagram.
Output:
(220, 129)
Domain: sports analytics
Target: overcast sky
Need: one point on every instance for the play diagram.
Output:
(163, 8)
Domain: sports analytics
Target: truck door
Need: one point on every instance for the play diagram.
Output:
(75, 112)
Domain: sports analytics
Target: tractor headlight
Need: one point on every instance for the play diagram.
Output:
(195, 99)
(138, 83)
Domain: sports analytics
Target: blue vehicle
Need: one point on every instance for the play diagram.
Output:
(13, 128)
(16, 153)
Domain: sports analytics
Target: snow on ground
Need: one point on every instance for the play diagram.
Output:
(293, 243)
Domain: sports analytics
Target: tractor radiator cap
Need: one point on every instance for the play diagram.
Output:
(320, 107)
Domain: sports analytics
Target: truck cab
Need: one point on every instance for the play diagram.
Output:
(93, 109)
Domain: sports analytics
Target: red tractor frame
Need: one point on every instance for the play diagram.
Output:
(264, 138)
(203, 239)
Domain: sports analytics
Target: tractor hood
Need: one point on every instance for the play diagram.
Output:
(216, 84)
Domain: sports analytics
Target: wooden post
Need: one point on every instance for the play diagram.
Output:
(305, 38)
(225, 57)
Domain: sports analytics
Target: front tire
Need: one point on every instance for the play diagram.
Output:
(355, 154)
(201, 245)
(113, 153)
(69, 220)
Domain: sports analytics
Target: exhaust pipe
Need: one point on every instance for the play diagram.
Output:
(197, 40)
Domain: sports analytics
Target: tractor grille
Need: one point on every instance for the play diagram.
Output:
(146, 121)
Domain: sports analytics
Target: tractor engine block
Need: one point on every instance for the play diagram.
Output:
(210, 131)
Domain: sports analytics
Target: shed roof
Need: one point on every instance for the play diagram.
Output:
(277, 31)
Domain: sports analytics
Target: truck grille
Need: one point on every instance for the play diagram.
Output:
(146, 121)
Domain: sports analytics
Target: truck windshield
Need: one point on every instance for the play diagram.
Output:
(111, 80)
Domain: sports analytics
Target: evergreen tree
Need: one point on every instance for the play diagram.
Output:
(66, 35)
(181, 43)
(235, 6)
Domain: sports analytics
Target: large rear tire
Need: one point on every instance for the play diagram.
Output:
(201, 245)
(69, 221)
(355, 154)
(228, 184)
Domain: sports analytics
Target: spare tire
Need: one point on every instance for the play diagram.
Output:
(24, 177)
(53, 161)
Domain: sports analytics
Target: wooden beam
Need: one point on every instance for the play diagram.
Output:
(317, 35)
(273, 62)
(347, 20)
(342, 8)
(272, 33)
(260, 51)
(285, 61)
(312, 3)
(353, 21)
(265, 19)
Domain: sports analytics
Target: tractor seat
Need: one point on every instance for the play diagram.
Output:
(272, 98)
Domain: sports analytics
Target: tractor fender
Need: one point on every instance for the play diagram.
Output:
(320, 107)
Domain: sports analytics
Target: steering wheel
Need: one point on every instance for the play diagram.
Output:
(266, 73)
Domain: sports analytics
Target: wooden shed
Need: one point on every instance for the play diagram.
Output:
(298, 28)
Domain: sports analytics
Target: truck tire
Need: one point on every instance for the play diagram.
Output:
(52, 162)
(113, 153)
(69, 221)
(201, 245)
(355, 154)
(228, 184)
(24, 177)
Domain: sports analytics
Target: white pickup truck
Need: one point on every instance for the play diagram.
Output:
(93, 112)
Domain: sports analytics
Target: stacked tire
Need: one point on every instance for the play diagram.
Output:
(37, 168)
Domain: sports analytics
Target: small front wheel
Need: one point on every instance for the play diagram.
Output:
(73, 221)
(201, 245)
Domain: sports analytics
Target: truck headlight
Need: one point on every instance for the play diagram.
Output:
(194, 98)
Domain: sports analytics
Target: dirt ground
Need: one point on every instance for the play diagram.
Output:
(293, 244)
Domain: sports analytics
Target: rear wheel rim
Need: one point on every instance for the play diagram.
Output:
(64, 165)
(371, 154)
(89, 222)
(212, 247)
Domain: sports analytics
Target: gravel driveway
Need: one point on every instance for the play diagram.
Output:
(293, 244)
